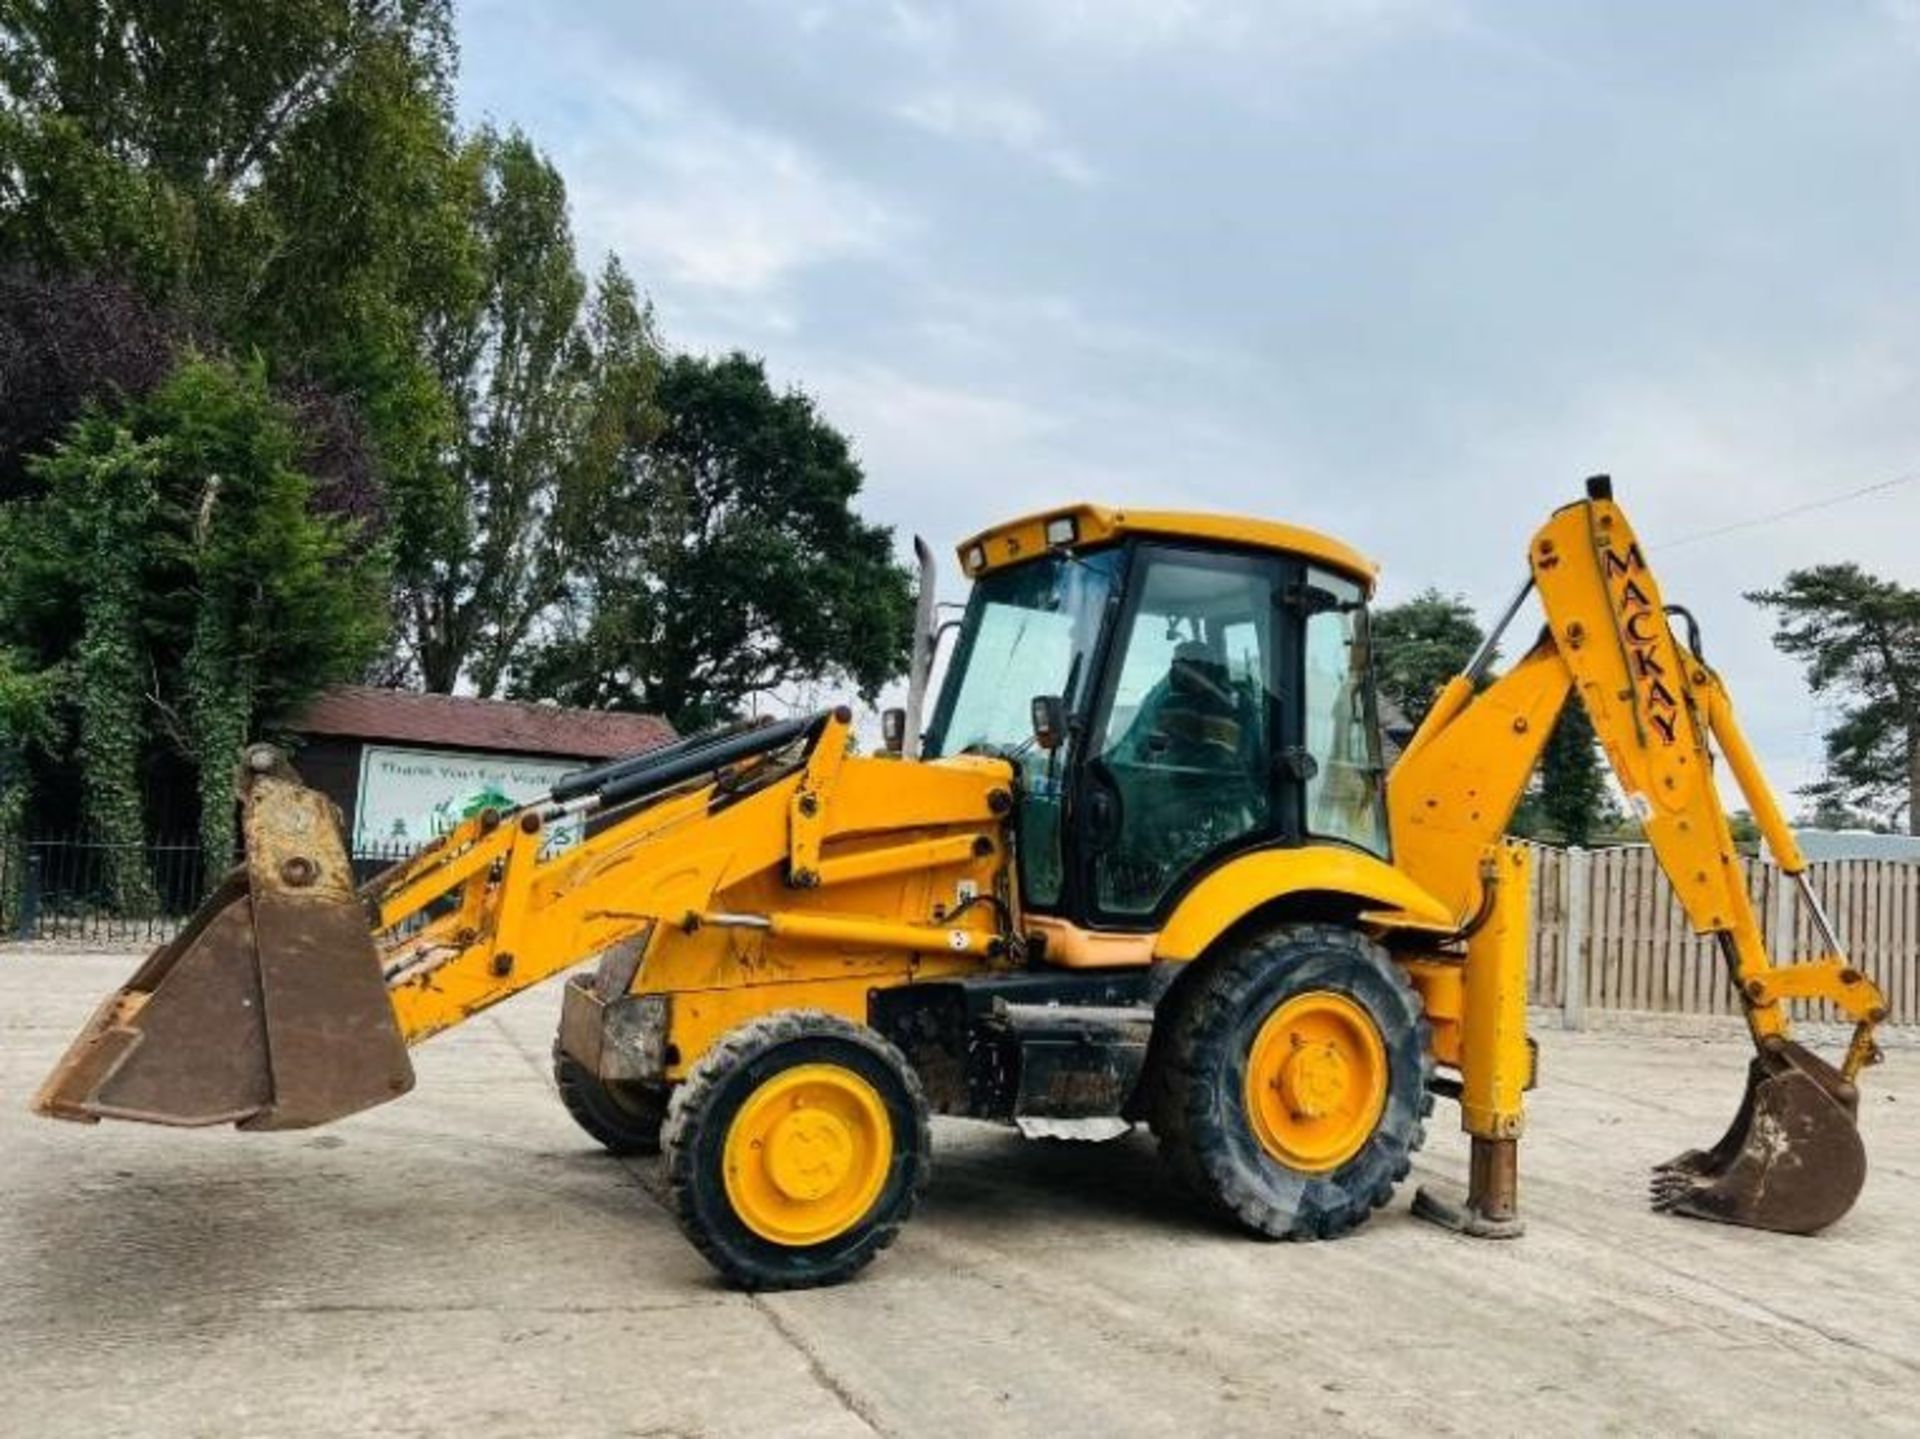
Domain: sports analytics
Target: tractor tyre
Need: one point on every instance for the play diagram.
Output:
(795, 1149)
(625, 1117)
(1292, 1085)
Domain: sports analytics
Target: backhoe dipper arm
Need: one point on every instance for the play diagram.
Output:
(1658, 711)
(1654, 704)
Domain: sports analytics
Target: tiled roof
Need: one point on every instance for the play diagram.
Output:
(461, 722)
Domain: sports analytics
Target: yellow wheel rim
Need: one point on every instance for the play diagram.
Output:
(808, 1154)
(1316, 1081)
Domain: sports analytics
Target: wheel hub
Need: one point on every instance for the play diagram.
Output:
(1316, 1082)
(807, 1154)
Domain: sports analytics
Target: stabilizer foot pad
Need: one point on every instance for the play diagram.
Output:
(1447, 1209)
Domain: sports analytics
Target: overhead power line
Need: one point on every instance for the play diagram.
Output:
(1755, 521)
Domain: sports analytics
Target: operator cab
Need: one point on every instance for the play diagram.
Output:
(1173, 689)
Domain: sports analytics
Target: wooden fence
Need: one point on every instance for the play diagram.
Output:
(1637, 951)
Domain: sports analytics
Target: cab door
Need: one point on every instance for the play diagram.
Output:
(1179, 766)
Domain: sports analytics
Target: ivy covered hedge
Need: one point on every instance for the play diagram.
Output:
(175, 581)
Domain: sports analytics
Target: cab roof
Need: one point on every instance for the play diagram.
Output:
(1094, 526)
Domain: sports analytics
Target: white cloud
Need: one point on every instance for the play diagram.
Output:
(1370, 265)
(1141, 27)
(998, 119)
(1905, 17)
(1707, 443)
(694, 198)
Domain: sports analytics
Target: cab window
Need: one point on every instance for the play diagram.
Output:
(1344, 797)
(1182, 761)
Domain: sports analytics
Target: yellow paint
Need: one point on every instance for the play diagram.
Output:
(1316, 1081)
(1762, 804)
(702, 1017)
(866, 920)
(1654, 704)
(808, 1154)
(814, 887)
(807, 818)
(858, 933)
(1456, 786)
(1246, 882)
(902, 858)
(1097, 525)
(1496, 1063)
(1443, 999)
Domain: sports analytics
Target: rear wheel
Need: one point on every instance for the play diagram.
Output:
(795, 1150)
(625, 1117)
(1294, 1082)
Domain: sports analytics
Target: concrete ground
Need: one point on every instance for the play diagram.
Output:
(465, 1261)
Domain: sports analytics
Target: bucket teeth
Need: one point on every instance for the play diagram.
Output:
(1791, 1161)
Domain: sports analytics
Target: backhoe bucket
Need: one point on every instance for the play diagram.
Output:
(1792, 1160)
(268, 1011)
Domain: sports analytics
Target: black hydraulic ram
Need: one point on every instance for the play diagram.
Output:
(662, 769)
(705, 750)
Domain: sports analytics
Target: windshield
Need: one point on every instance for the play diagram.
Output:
(1029, 631)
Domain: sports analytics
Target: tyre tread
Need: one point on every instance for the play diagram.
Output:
(1196, 1148)
(619, 1131)
(693, 1102)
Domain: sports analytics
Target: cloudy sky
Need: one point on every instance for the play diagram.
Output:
(1404, 270)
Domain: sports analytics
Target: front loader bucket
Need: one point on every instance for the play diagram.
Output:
(1792, 1160)
(268, 1011)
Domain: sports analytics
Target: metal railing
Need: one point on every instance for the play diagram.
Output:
(81, 890)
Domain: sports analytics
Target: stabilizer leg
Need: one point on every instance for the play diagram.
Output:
(1496, 1059)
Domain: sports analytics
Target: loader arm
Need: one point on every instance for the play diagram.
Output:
(292, 998)
(1660, 714)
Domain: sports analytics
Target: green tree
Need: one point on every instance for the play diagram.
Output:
(1420, 644)
(176, 564)
(29, 701)
(532, 373)
(731, 562)
(1859, 638)
(140, 137)
(282, 175)
(1829, 811)
(1570, 800)
(1745, 830)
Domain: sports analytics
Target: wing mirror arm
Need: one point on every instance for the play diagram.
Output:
(1049, 722)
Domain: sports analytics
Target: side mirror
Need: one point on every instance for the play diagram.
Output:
(1049, 721)
(893, 730)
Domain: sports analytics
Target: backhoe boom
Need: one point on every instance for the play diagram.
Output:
(1658, 711)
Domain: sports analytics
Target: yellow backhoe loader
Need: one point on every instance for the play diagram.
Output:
(1142, 864)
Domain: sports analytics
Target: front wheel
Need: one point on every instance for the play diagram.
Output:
(795, 1149)
(1294, 1083)
(624, 1116)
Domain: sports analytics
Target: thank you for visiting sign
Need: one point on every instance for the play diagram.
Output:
(409, 796)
